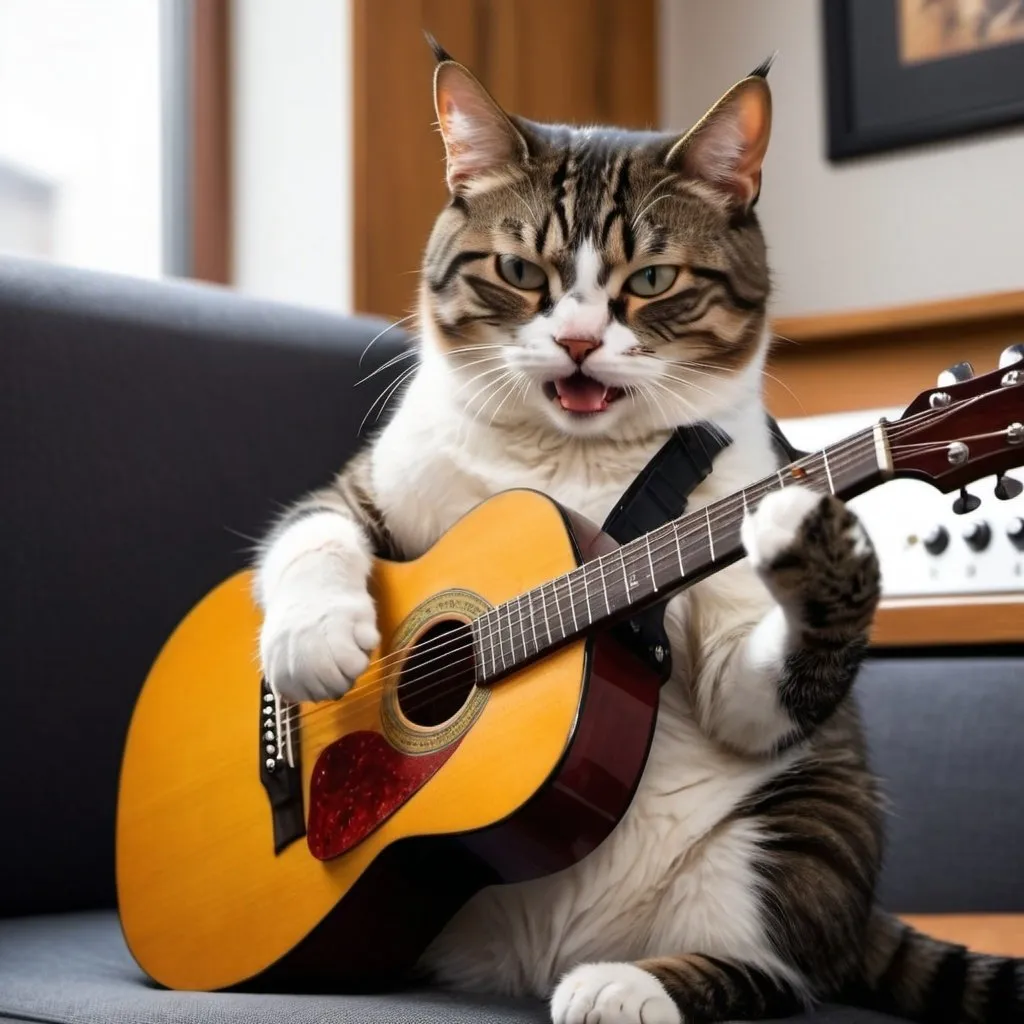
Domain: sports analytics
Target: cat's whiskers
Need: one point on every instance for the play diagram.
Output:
(377, 337)
(534, 217)
(515, 383)
(636, 219)
(408, 353)
(653, 399)
(490, 385)
(477, 376)
(389, 391)
(686, 383)
(647, 195)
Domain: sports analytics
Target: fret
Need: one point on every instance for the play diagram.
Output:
(491, 644)
(558, 605)
(650, 562)
(625, 575)
(604, 585)
(679, 550)
(572, 602)
(522, 629)
(501, 641)
(828, 471)
(479, 653)
(782, 480)
(544, 611)
(586, 595)
(533, 623)
(711, 539)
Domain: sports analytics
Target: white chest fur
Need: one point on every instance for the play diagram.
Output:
(677, 874)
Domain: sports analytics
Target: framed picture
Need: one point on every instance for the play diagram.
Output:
(901, 72)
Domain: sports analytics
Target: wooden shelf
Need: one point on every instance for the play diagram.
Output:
(974, 310)
(995, 934)
(956, 619)
(879, 358)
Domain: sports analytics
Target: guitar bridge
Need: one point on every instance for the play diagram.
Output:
(280, 770)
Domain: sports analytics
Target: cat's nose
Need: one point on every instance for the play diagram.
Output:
(578, 348)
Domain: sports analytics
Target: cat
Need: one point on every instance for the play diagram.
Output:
(583, 292)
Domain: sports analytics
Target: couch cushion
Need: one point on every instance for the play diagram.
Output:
(148, 431)
(74, 968)
(944, 734)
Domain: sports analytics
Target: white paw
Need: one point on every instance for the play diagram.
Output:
(612, 994)
(316, 639)
(775, 523)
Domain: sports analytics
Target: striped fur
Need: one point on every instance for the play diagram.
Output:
(741, 882)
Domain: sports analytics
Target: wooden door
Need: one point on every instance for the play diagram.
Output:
(576, 61)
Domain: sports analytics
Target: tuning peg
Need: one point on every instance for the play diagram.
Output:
(1007, 487)
(955, 375)
(1010, 355)
(966, 502)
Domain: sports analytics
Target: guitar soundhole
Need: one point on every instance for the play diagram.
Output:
(439, 674)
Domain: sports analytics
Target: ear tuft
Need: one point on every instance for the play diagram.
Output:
(440, 53)
(762, 69)
(479, 137)
(726, 147)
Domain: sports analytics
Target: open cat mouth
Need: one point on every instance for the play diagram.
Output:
(581, 394)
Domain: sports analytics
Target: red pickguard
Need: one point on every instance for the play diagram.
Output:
(358, 782)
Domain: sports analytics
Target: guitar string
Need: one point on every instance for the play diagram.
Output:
(658, 550)
(452, 663)
(369, 692)
(723, 508)
(660, 554)
(846, 450)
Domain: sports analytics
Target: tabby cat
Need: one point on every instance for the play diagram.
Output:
(583, 292)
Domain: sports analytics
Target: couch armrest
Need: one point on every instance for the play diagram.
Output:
(147, 431)
(944, 732)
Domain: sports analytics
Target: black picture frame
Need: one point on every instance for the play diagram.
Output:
(877, 103)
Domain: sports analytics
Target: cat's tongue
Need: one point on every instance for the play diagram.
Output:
(580, 393)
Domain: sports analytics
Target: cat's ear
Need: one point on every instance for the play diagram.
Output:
(479, 137)
(726, 147)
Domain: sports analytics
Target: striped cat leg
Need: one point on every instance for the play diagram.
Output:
(690, 989)
(319, 624)
(771, 679)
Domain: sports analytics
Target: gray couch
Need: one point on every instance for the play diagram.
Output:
(146, 432)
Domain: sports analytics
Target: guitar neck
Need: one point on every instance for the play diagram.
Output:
(662, 562)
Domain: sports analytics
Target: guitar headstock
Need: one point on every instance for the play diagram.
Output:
(963, 429)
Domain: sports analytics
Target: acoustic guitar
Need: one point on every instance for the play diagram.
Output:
(498, 734)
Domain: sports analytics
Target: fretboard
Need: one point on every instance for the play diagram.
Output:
(660, 563)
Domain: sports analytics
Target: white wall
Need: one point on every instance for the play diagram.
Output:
(80, 108)
(914, 225)
(293, 128)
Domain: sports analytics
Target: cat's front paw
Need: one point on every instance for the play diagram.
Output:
(316, 640)
(612, 993)
(815, 557)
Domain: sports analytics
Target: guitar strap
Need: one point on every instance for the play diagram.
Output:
(660, 493)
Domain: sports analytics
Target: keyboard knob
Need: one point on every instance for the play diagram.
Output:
(937, 541)
(1015, 531)
(978, 535)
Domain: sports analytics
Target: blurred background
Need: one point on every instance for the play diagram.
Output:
(286, 147)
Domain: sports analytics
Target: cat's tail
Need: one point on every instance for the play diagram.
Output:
(911, 975)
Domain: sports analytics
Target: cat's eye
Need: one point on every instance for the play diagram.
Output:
(521, 273)
(652, 281)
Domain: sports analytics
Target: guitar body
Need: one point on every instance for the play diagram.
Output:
(336, 868)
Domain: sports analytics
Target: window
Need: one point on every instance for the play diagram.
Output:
(87, 149)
